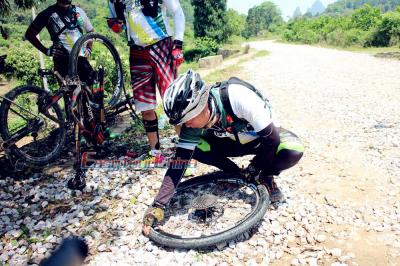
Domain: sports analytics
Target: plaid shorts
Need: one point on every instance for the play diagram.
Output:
(151, 66)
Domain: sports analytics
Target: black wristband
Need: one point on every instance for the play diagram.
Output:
(178, 44)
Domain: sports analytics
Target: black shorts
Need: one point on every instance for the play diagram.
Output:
(85, 70)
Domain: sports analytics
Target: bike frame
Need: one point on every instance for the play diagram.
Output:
(79, 104)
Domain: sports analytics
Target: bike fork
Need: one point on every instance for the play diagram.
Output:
(78, 182)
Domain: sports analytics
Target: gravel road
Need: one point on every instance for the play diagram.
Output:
(343, 199)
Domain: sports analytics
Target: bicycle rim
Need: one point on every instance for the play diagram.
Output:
(205, 212)
(42, 139)
(103, 56)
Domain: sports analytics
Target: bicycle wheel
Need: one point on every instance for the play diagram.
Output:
(35, 138)
(210, 210)
(103, 56)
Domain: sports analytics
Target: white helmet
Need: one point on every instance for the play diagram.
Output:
(185, 98)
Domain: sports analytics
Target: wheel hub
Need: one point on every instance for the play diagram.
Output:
(205, 201)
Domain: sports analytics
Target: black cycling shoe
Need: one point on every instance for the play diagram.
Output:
(275, 194)
(78, 182)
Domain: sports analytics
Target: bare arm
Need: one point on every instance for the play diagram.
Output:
(31, 35)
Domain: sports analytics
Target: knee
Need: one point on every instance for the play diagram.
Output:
(288, 159)
(293, 157)
(149, 115)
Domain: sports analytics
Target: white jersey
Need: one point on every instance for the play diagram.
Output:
(250, 107)
(144, 30)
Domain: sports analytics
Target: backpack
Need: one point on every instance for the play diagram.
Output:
(232, 120)
(63, 23)
(119, 7)
(149, 8)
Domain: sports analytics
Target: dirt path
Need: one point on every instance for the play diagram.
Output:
(345, 107)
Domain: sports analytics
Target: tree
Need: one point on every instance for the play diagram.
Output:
(366, 17)
(188, 11)
(5, 5)
(343, 7)
(210, 19)
(263, 17)
(236, 23)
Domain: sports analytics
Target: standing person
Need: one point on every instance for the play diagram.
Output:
(65, 23)
(154, 54)
(228, 119)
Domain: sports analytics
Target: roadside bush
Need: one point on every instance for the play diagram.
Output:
(366, 17)
(343, 38)
(22, 63)
(388, 31)
(202, 47)
(365, 27)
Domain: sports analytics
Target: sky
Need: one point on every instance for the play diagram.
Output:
(287, 6)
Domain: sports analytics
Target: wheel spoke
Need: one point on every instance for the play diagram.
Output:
(32, 136)
(188, 221)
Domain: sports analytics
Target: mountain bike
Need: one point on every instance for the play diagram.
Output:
(33, 125)
(211, 210)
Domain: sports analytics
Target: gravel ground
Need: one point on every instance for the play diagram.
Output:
(343, 201)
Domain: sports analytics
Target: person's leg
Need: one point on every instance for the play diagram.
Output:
(143, 85)
(150, 123)
(288, 154)
(215, 151)
(161, 60)
(85, 71)
(60, 65)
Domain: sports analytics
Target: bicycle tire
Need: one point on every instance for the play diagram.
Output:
(208, 242)
(74, 55)
(5, 134)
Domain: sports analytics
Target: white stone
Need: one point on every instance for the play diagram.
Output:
(336, 252)
(295, 262)
(321, 238)
(102, 248)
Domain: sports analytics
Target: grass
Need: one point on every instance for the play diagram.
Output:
(355, 48)
(370, 50)
(360, 49)
(222, 74)
(188, 65)
(259, 53)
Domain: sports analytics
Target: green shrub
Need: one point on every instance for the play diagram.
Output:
(388, 31)
(202, 47)
(22, 63)
(365, 27)
(366, 17)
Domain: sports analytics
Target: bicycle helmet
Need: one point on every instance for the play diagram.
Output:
(185, 98)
